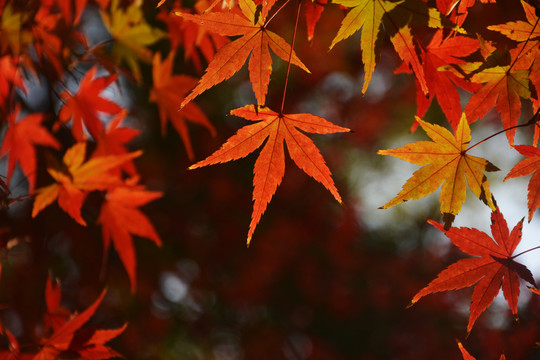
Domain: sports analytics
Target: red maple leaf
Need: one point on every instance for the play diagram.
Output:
(494, 267)
(255, 40)
(168, 92)
(70, 339)
(442, 84)
(193, 37)
(121, 219)
(83, 107)
(525, 167)
(20, 143)
(114, 141)
(9, 76)
(270, 165)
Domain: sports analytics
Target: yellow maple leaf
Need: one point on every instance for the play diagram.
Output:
(132, 35)
(447, 163)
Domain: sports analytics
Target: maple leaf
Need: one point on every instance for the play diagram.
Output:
(255, 40)
(113, 142)
(493, 267)
(20, 143)
(442, 83)
(47, 44)
(270, 165)
(467, 356)
(447, 163)
(131, 34)
(371, 15)
(192, 36)
(83, 106)
(313, 11)
(9, 75)
(520, 31)
(12, 34)
(503, 87)
(73, 184)
(85, 343)
(525, 167)
(121, 219)
(169, 91)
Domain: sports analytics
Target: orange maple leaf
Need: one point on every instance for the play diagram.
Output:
(503, 88)
(85, 343)
(494, 267)
(255, 40)
(270, 165)
(121, 219)
(447, 163)
(169, 91)
(525, 167)
(20, 141)
(73, 184)
(83, 107)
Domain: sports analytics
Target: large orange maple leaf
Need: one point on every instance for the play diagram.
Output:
(270, 165)
(255, 40)
(493, 267)
(447, 163)
(121, 219)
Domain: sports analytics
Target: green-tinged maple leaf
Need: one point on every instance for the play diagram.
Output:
(255, 40)
(20, 143)
(85, 343)
(73, 184)
(131, 34)
(525, 167)
(395, 16)
(276, 129)
(168, 92)
(120, 220)
(12, 34)
(492, 267)
(447, 163)
(83, 106)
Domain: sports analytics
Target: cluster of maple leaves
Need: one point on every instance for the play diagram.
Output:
(47, 40)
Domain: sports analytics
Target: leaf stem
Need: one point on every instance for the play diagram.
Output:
(277, 12)
(524, 252)
(533, 120)
(290, 57)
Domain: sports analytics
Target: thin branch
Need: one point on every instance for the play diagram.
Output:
(290, 57)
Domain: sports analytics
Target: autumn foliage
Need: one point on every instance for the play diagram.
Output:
(88, 89)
